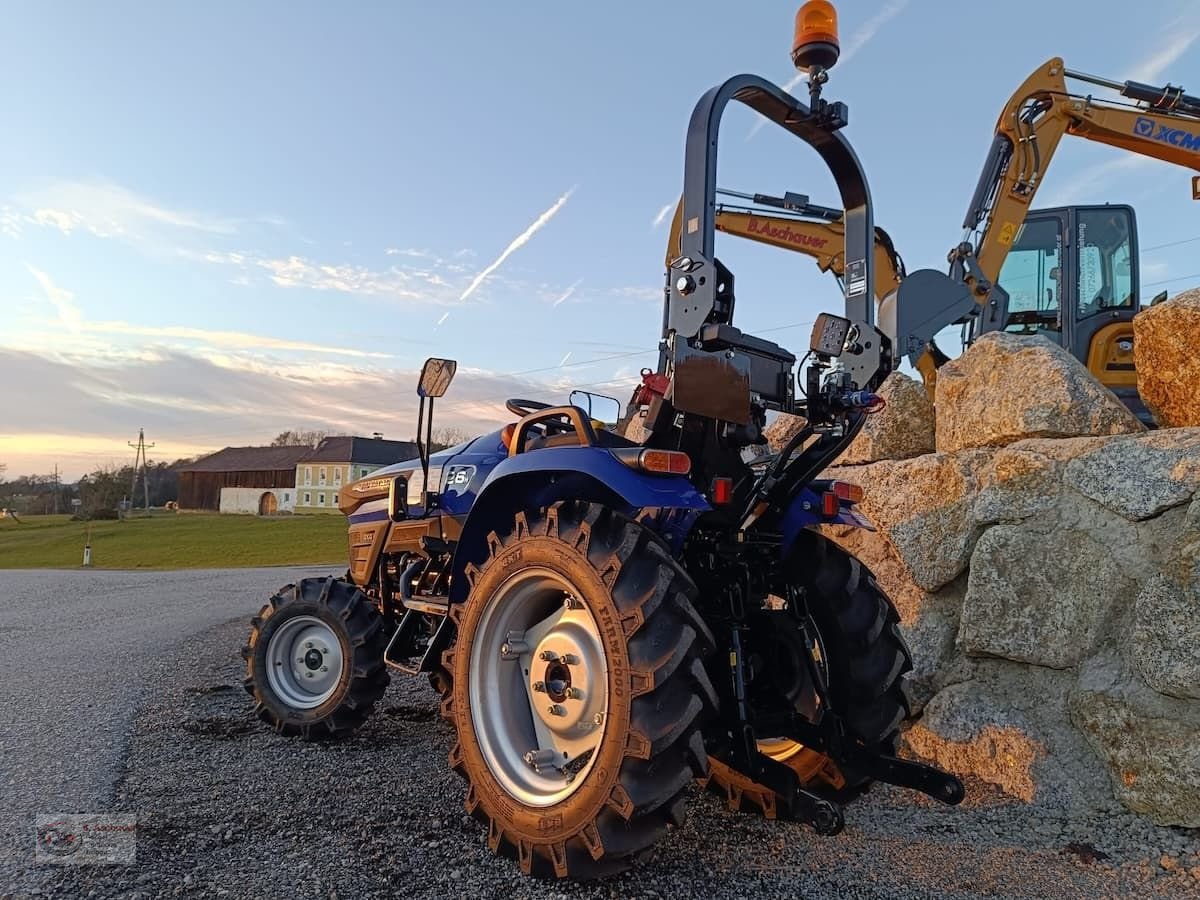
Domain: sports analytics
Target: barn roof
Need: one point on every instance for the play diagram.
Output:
(367, 451)
(248, 459)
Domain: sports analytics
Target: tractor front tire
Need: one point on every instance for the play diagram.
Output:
(578, 690)
(314, 661)
(866, 658)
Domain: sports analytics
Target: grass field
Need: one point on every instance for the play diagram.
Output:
(171, 541)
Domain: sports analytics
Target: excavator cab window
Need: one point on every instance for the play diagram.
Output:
(1105, 260)
(1032, 275)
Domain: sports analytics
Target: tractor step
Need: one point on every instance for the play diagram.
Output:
(403, 653)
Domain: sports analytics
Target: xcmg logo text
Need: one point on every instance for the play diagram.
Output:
(1176, 137)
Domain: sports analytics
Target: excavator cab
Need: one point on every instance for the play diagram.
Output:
(1071, 275)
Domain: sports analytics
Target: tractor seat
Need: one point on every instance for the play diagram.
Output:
(604, 438)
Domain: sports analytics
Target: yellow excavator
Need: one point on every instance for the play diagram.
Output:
(1070, 273)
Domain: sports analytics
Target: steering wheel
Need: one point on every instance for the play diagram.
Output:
(523, 408)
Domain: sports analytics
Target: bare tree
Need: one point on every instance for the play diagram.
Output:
(446, 436)
(300, 437)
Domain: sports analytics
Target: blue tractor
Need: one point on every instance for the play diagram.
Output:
(608, 619)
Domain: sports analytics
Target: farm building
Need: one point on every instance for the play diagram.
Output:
(258, 480)
(338, 461)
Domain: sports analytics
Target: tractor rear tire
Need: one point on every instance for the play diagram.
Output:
(314, 661)
(866, 657)
(637, 653)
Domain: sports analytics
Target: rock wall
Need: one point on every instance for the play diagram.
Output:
(1050, 590)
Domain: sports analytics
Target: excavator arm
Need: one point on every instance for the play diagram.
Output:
(815, 231)
(1161, 123)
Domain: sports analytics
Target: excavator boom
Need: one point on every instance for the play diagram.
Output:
(1163, 123)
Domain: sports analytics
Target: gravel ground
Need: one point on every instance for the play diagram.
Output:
(227, 808)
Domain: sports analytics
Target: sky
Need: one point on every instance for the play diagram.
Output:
(219, 221)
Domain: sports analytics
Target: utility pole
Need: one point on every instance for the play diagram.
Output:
(56, 489)
(140, 453)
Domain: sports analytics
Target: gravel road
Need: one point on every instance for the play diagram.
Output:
(122, 693)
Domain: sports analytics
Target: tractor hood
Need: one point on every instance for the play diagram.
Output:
(468, 464)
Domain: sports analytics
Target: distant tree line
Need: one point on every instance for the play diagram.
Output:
(100, 492)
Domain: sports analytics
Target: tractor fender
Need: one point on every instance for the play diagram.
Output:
(542, 477)
(805, 510)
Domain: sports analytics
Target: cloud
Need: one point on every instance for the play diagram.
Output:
(296, 271)
(1093, 182)
(219, 338)
(190, 405)
(859, 39)
(638, 292)
(1182, 36)
(662, 215)
(71, 317)
(12, 223)
(63, 300)
(109, 210)
(517, 243)
(566, 295)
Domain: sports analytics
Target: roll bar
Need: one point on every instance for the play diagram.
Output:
(689, 300)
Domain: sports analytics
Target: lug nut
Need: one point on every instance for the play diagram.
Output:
(556, 710)
(539, 758)
(598, 719)
(540, 687)
(308, 645)
(324, 668)
(308, 674)
(574, 693)
(547, 656)
(570, 659)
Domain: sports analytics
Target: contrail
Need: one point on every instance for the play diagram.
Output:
(444, 317)
(563, 361)
(857, 41)
(519, 241)
(566, 295)
(662, 215)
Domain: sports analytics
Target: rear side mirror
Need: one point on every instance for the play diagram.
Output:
(597, 406)
(436, 376)
(398, 499)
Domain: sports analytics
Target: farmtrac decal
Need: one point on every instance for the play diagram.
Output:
(1176, 137)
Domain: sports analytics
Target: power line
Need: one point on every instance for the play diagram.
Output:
(1190, 240)
(1169, 280)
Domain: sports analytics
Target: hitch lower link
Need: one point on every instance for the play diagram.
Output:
(824, 815)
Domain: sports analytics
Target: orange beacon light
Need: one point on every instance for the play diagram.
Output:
(816, 40)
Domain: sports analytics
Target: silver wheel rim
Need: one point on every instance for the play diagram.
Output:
(304, 662)
(537, 687)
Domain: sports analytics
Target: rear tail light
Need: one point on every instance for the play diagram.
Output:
(658, 462)
(829, 504)
(844, 490)
(722, 491)
(665, 462)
